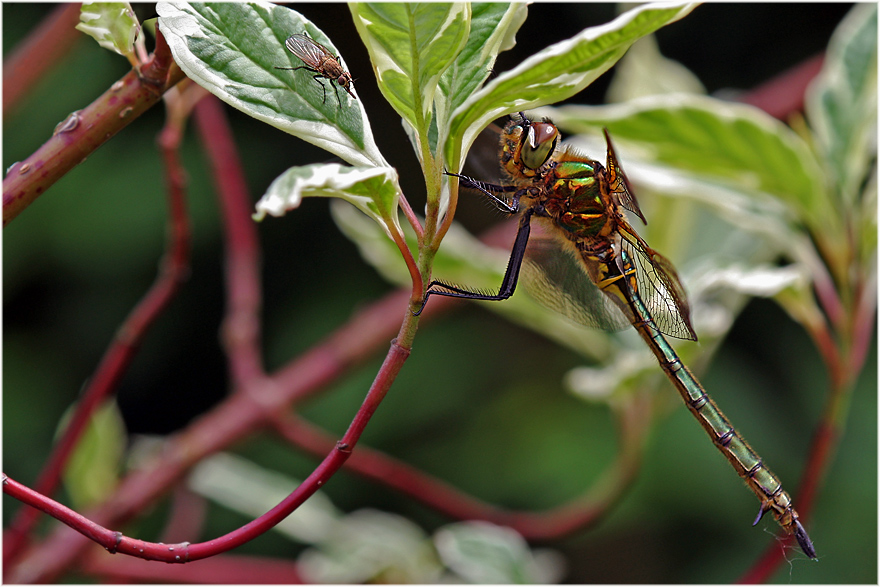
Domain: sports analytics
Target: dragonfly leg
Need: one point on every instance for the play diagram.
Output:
(508, 283)
(489, 190)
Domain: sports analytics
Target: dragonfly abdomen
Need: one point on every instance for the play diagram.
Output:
(750, 467)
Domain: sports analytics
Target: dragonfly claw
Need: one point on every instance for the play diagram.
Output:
(804, 541)
(763, 510)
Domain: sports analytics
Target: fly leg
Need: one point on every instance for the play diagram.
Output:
(317, 78)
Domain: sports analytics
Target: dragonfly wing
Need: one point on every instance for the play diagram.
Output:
(621, 191)
(558, 281)
(661, 290)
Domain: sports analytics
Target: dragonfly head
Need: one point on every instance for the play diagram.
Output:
(528, 145)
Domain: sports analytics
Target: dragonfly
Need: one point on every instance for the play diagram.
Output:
(610, 276)
(319, 60)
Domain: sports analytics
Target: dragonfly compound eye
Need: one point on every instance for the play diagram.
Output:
(539, 143)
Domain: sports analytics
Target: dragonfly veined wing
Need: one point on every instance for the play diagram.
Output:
(556, 279)
(661, 290)
(620, 189)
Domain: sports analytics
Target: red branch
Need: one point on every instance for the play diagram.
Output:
(241, 324)
(583, 511)
(234, 418)
(43, 49)
(123, 348)
(83, 131)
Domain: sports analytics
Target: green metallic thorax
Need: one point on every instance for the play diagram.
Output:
(574, 198)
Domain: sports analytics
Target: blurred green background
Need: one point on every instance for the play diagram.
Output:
(480, 401)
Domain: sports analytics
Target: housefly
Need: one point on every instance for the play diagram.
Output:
(320, 61)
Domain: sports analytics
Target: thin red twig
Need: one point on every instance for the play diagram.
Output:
(184, 552)
(42, 50)
(229, 422)
(574, 515)
(411, 217)
(241, 324)
(123, 348)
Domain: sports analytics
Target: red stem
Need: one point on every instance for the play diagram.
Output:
(397, 355)
(411, 217)
(83, 131)
(578, 513)
(122, 350)
(241, 324)
(242, 414)
(41, 51)
(184, 552)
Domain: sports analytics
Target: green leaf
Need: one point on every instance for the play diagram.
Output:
(492, 30)
(373, 190)
(233, 49)
(410, 46)
(113, 24)
(644, 71)
(556, 73)
(92, 473)
(733, 144)
(483, 553)
(370, 546)
(866, 222)
(841, 105)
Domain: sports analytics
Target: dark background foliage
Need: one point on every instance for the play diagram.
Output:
(480, 402)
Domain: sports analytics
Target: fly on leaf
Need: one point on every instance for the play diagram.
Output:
(320, 61)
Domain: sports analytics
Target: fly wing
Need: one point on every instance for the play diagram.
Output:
(311, 52)
(660, 290)
(620, 188)
(560, 282)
